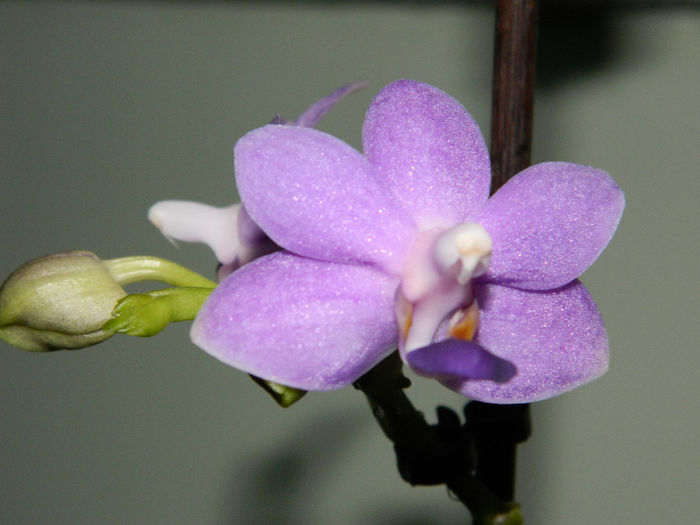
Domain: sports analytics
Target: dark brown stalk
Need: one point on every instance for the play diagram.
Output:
(431, 455)
(513, 88)
(498, 429)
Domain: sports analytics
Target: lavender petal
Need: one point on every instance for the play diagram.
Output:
(429, 150)
(300, 322)
(316, 196)
(555, 339)
(549, 223)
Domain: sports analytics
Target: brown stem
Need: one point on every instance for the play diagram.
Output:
(498, 429)
(513, 88)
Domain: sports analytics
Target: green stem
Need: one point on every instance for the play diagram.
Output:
(146, 314)
(128, 270)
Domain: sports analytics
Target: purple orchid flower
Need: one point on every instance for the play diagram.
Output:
(232, 235)
(402, 247)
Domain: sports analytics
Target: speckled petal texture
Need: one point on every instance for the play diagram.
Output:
(555, 338)
(549, 223)
(429, 150)
(323, 312)
(300, 322)
(248, 231)
(316, 196)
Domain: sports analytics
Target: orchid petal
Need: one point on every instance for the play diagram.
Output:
(549, 223)
(318, 110)
(318, 197)
(300, 322)
(255, 242)
(453, 359)
(429, 150)
(555, 339)
(196, 222)
(230, 232)
(252, 243)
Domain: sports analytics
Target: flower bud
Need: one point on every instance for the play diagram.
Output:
(59, 301)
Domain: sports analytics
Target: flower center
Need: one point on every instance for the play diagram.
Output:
(436, 282)
(464, 250)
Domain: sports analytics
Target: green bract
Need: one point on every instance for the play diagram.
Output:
(146, 314)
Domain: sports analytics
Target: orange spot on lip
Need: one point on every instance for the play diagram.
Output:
(404, 315)
(464, 323)
(407, 323)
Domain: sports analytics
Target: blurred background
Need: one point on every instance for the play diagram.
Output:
(106, 108)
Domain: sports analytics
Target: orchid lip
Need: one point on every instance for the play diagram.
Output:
(427, 313)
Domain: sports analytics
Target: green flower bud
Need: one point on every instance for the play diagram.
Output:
(59, 301)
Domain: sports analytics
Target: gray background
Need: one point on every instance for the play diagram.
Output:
(106, 108)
